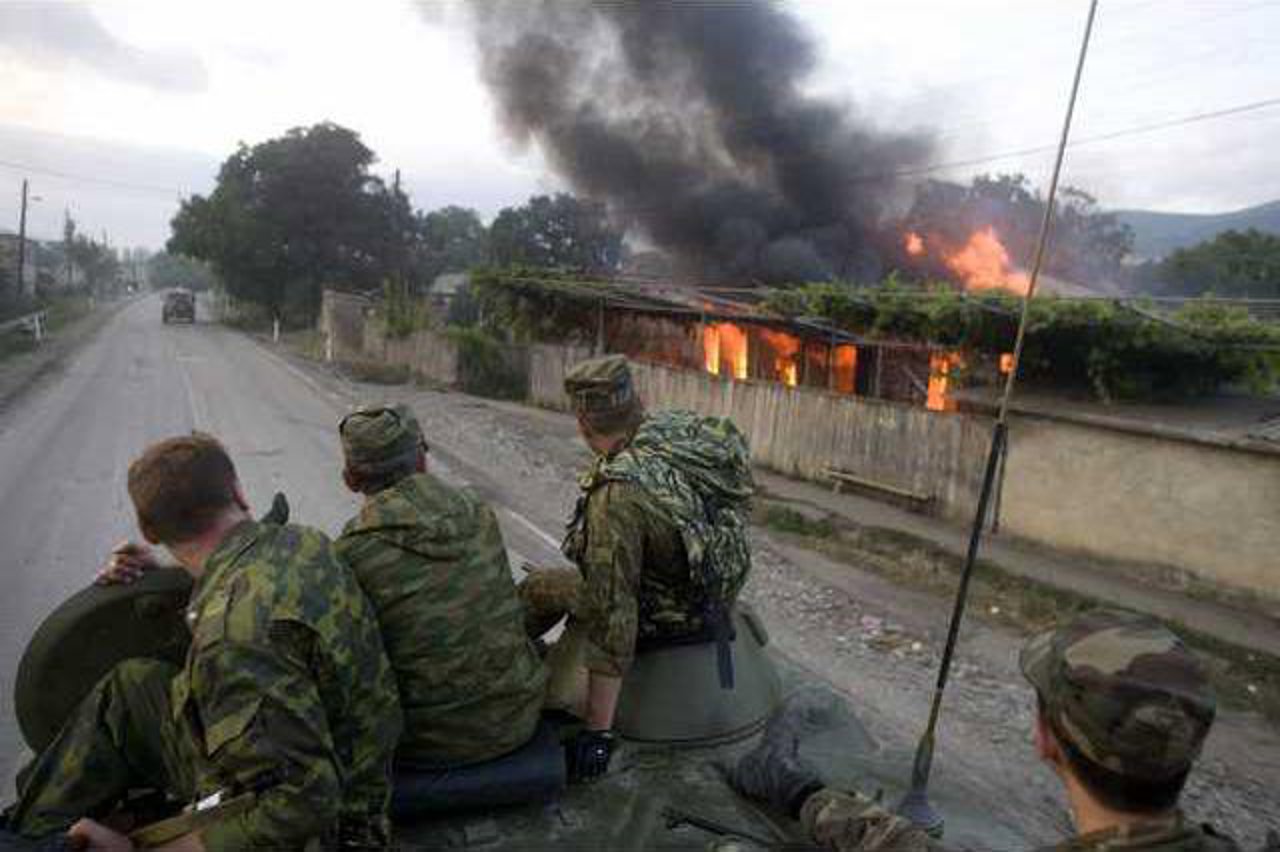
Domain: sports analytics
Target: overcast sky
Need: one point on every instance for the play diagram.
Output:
(153, 94)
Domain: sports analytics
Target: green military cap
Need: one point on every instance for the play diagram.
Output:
(1124, 690)
(600, 385)
(379, 434)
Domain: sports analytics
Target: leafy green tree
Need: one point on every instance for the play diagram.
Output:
(293, 215)
(98, 261)
(558, 231)
(451, 239)
(166, 270)
(1242, 264)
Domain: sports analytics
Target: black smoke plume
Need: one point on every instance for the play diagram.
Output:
(691, 121)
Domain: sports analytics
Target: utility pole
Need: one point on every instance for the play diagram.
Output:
(22, 238)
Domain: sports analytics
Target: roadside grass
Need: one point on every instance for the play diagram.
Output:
(376, 373)
(788, 520)
(1246, 678)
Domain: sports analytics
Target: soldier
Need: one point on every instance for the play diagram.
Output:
(1123, 708)
(432, 561)
(286, 691)
(659, 536)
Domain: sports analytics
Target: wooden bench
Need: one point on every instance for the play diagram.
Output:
(916, 500)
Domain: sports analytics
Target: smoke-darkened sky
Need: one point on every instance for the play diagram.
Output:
(155, 94)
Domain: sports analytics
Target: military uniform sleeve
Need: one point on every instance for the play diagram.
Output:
(609, 607)
(262, 714)
(844, 822)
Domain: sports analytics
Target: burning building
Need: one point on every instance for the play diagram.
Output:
(737, 343)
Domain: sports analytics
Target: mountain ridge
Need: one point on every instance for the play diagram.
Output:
(1157, 234)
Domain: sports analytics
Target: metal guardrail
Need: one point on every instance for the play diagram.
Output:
(33, 324)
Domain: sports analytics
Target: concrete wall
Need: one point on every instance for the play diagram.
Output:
(342, 321)
(547, 366)
(427, 353)
(1210, 511)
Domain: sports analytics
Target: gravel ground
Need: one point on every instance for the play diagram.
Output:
(875, 641)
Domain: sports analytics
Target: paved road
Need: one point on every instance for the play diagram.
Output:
(65, 447)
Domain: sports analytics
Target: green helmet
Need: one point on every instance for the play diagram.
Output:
(1124, 691)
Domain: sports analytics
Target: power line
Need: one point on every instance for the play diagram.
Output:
(1040, 149)
(119, 184)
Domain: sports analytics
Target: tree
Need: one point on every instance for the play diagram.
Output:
(98, 262)
(293, 215)
(166, 270)
(451, 239)
(1243, 264)
(557, 231)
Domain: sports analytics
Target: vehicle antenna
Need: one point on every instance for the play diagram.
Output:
(915, 805)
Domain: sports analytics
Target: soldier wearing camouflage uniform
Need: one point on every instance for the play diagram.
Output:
(432, 560)
(659, 538)
(286, 690)
(1123, 708)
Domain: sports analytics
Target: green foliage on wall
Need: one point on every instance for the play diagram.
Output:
(1117, 350)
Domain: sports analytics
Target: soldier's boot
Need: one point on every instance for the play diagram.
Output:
(121, 737)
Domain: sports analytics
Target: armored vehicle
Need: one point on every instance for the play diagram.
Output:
(665, 788)
(179, 305)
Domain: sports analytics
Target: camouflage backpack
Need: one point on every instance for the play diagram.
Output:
(698, 469)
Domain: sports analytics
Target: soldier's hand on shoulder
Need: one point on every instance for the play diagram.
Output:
(128, 561)
(87, 834)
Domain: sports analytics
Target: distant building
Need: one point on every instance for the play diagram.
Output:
(445, 286)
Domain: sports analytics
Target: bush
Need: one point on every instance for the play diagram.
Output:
(403, 314)
(788, 520)
(488, 367)
(377, 373)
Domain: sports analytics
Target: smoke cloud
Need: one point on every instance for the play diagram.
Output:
(691, 121)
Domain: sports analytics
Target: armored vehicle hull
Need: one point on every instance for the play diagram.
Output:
(665, 788)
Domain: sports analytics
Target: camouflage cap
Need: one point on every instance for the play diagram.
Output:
(1124, 690)
(378, 434)
(600, 385)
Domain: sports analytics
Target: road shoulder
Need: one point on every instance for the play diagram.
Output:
(22, 372)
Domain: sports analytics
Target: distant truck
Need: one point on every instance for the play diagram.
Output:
(179, 305)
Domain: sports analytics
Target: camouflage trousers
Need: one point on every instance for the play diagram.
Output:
(549, 595)
(121, 737)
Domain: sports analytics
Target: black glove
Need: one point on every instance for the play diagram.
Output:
(588, 754)
(775, 776)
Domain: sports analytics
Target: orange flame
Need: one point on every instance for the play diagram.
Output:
(711, 349)
(785, 348)
(724, 342)
(941, 368)
(845, 366)
(914, 244)
(983, 263)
